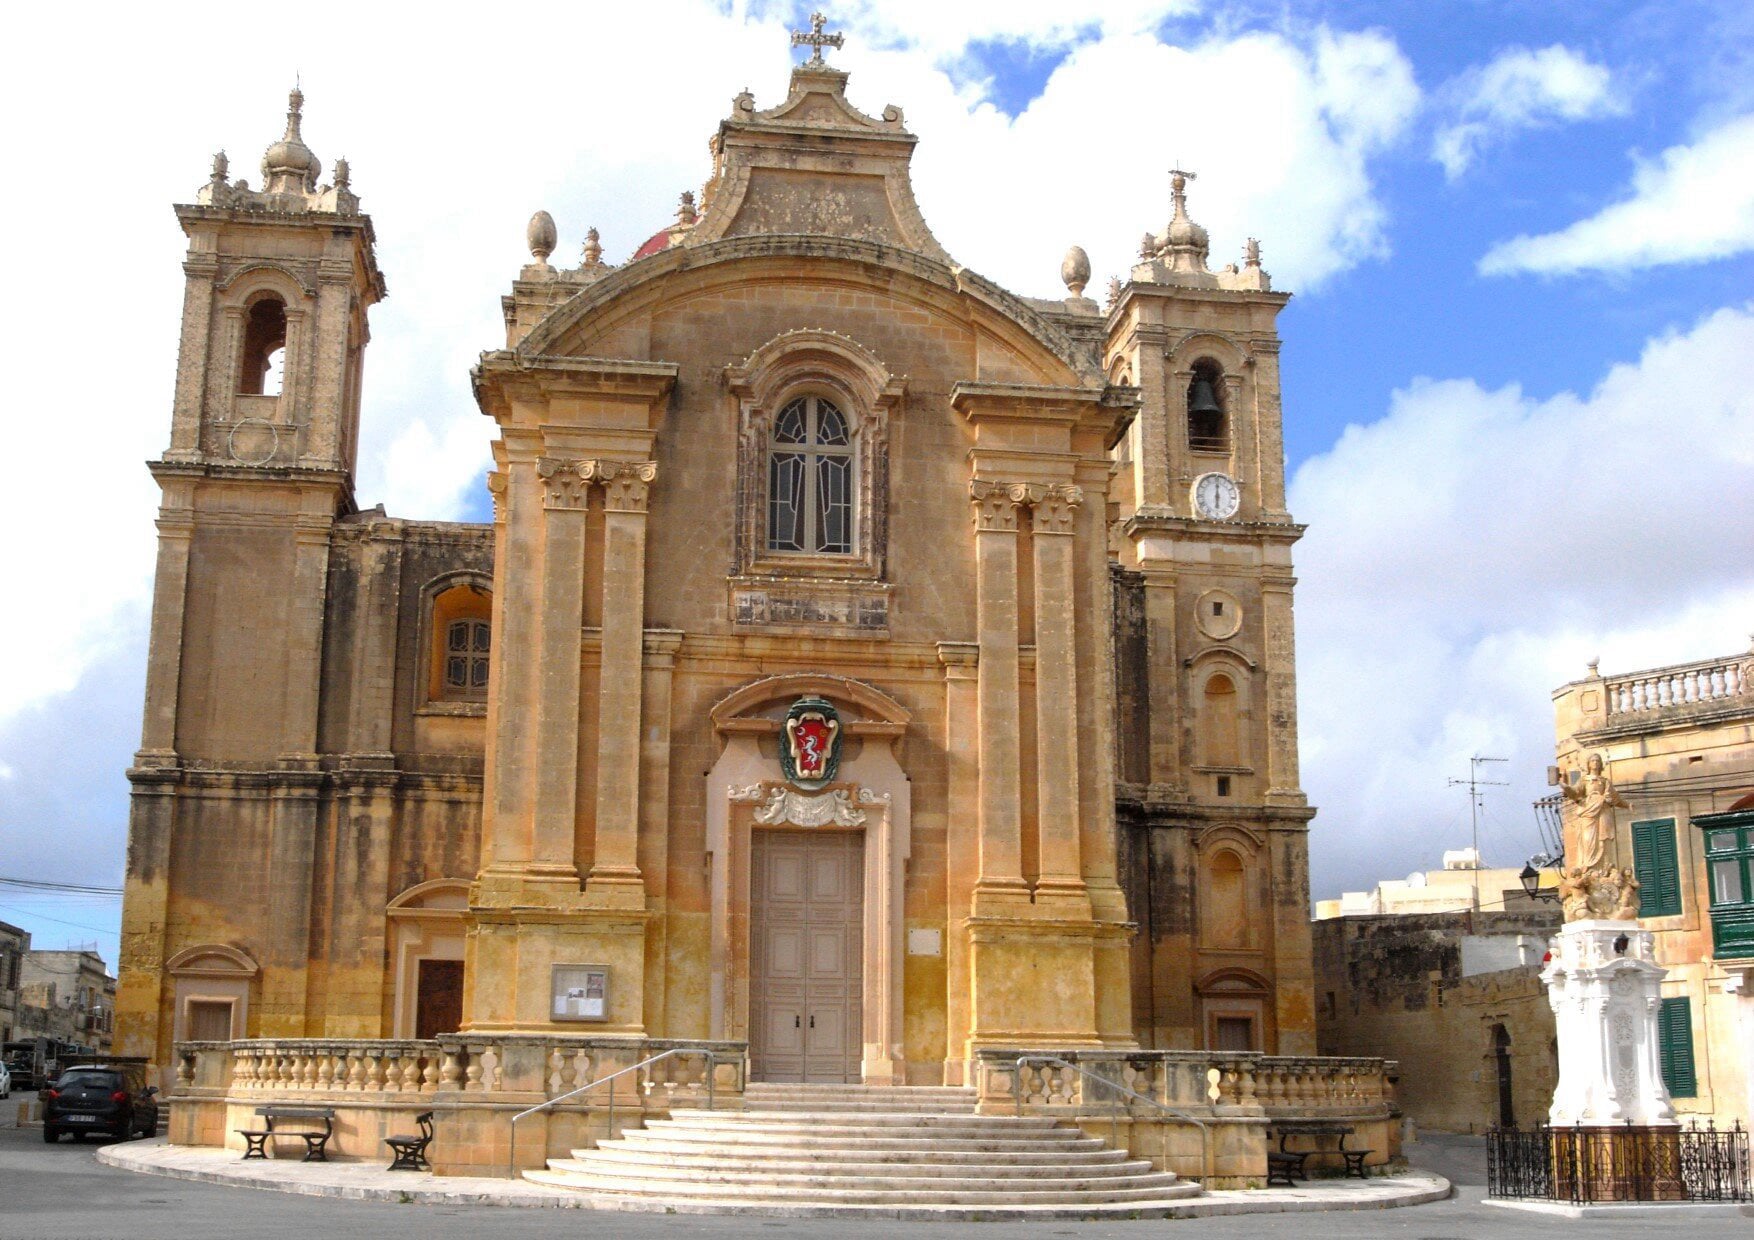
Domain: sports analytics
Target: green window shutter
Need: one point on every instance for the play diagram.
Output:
(1675, 1042)
(1657, 867)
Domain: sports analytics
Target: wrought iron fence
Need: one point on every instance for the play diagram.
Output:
(1583, 1164)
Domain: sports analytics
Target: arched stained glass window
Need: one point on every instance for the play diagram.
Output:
(810, 479)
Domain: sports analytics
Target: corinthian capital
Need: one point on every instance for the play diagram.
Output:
(564, 483)
(996, 503)
(626, 484)
(1056, 510)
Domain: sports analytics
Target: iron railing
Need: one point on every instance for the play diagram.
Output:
(711, 1056)
(1117, 1096)
(1584, 1164)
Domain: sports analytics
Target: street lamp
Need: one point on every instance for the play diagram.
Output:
(1531, 881)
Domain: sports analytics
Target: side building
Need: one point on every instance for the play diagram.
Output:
(1454, 996)
(1678, 744)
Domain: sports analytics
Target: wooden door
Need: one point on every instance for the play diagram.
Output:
(438, 998)
(806, 915)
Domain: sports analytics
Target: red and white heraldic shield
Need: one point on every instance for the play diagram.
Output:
(811, 737)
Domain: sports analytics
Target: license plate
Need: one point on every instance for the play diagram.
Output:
(80, 1119)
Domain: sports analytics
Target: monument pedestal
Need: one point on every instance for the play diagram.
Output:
(1621, 1139)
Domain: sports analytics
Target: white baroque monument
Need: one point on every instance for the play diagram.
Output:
(1604, 986)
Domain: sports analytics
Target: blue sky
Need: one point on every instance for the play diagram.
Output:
(1513, 455)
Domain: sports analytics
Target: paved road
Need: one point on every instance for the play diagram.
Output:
(62, 1193)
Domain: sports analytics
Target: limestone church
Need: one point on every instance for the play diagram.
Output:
(863, 661)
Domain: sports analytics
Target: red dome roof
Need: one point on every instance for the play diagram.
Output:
(659, 240)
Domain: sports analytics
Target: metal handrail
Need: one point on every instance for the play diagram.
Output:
(1114, 1116)
(712, 1063)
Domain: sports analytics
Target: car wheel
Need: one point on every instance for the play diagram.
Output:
(51, 1135)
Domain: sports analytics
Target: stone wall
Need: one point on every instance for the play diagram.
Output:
(1393, 986)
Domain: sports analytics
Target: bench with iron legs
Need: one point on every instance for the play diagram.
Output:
(410, 1151)
(316, 1142)
(1286, 1166)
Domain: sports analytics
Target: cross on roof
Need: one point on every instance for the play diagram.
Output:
(816, 40)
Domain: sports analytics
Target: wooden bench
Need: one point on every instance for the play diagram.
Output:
(411, 1151)
(316, 1142)
(1286, 1166)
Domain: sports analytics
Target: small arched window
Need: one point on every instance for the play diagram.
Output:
(462, 644)
(1208, 428)
(264, 357)
(810, 479)
(1218, 721)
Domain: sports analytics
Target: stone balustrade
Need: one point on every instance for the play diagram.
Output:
(1684, 684)
(1212, 1111)
(474, 1083)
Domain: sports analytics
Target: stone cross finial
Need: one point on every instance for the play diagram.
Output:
(816, 40)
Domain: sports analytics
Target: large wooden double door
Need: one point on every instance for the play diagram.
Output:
(806, 912)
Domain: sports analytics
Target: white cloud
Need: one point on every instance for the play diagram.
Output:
(455, 135)
(1472, 549)
(1695, 203)
(1519, 89)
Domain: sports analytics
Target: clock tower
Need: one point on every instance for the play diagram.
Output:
(1210, 803)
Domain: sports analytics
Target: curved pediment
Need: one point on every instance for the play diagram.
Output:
(762, 703)
(212, 960)
(578, 326)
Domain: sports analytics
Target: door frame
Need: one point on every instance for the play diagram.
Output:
(741, 784)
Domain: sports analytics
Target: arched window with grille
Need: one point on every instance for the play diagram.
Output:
(810, 479)
(466, 651)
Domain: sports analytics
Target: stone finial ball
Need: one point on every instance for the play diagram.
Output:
(541, 235)
(1075, 270)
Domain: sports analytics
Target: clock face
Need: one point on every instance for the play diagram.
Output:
(1216, 496)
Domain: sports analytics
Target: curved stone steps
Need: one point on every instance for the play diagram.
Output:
(865, 1153)
(608, 1189)
(783, 1157)
(593, 1162)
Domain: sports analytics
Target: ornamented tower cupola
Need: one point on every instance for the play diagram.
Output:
(279, 282)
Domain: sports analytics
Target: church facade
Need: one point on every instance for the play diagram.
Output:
(863, 661)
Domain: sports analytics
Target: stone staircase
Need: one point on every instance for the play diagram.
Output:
(861, 1151)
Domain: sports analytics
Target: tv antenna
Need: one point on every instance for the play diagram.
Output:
(1473, 783)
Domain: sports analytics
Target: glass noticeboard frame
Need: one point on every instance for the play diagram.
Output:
(580, 992)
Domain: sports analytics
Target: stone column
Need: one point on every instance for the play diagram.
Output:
(306, 615)
(615, 876)
(1163, 685)
(194, 353)
(661, 647)
(564, 497)
(1281, 664)
(371, 708)
(1001, 835)
(1269, 429)
(326, 403)
(1159, 447)
(170, 588)
(506, 819)
(961, 845)
(1055, 512)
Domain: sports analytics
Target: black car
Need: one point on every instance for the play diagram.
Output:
(109, 1098)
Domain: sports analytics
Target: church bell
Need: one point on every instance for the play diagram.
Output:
(1202, 399)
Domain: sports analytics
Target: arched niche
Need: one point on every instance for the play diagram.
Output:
(874, 795)
(211, 988)
(426, 957)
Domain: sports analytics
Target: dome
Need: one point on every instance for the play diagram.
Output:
(290, 160)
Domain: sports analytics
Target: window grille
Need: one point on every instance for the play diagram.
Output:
(467, 645)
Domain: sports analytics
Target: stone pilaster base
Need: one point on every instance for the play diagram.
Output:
(1605, 989)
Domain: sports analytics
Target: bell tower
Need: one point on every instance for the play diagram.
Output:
(1208, 663)
(278, 283)
(264, 435)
